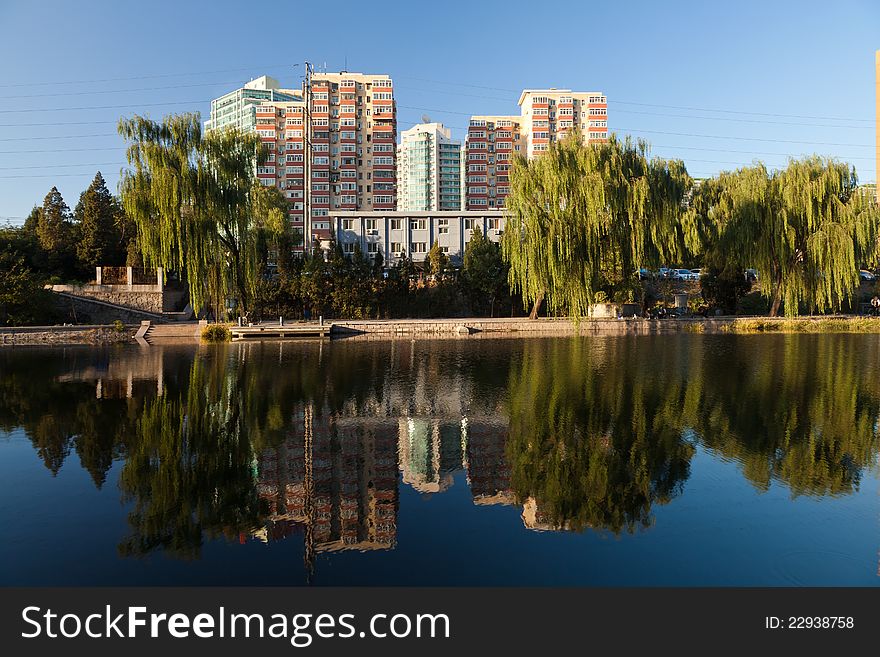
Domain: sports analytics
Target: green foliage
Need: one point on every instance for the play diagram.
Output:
(57, 235)
(753, 303)
(23, 301)
(216, 333)
(438, 262)
(102, 226)
(484, 272)
(118, 326)
(197, 204)
(805, 229)
(723, 288)
(582, 218)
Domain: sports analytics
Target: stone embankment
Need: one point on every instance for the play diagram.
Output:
(65, 335)
(522, 327)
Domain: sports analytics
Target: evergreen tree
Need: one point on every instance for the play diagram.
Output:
(56, 234)
(98, 216)
(484, 272)
(438, 262)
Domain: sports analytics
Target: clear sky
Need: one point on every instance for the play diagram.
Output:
(717, 84)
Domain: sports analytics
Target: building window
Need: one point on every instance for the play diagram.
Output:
(395, 224)
(348, 247)
(419, 247)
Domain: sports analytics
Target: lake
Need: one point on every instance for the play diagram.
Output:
(668, 460)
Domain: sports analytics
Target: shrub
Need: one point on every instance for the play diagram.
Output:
(118, 326)
(216, 333)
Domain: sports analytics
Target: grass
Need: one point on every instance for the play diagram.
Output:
(216, 333)
(804, 325)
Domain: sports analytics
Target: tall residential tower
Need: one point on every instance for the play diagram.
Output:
(331, 145)
(546, 116)
(428, 169)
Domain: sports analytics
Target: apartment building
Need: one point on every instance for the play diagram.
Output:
(399, 234)
(428, 169)
(549, 114)
(237, 109)
(491, 144)
(877, 123)
(332, 147)
(546, 115)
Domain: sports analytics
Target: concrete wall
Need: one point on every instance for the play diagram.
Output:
(149, 298)
(64, 335)
(88, 310)
(523, 327)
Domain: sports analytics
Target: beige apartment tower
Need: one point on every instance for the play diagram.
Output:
(877, 124)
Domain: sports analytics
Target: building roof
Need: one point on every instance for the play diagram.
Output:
(440, 214)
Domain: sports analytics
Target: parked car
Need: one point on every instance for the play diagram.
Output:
(645, 274)
(698, 272)
(865, 275)
(685, 275)
(751, 274)
(664, 272)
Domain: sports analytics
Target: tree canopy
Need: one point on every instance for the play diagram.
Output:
(582, 218)
(806, 229)
(194, 199)
(101, 224)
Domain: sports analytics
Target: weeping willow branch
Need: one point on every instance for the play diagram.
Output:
(807, 229)
(193, 199)
(582, 218)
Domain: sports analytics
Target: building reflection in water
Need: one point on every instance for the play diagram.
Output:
(324, 438)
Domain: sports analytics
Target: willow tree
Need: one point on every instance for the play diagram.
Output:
(806, 229)
(582, 218)
(193, 199)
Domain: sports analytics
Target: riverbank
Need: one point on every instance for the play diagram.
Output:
(460, 328)
(94, 335)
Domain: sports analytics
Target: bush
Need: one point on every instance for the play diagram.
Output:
(118, 326)
(216, 333)
(753, 303)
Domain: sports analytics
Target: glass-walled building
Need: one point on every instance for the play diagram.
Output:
(429, 169)
(237, 109)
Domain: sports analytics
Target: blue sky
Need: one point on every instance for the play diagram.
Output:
(765, 64)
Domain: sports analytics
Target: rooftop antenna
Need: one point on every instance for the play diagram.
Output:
(426, 118)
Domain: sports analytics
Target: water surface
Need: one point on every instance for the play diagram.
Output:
(651, 460)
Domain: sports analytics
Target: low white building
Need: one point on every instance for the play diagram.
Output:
(401, 233)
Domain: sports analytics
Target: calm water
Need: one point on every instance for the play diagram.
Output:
(666, 460)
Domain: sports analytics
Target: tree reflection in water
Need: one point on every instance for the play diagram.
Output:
(261, 441)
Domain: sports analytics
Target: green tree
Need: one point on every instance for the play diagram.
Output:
(56, 234)
(484, 272)
(582, 218)
(23, 300)
(805, 229)
(100, 222)
(438, 262)
(194, 202)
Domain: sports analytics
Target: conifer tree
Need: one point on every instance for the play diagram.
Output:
(98, 216)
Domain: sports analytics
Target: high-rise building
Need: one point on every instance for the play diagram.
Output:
(549, 114)
(877, 123)
(491, 143)
(353, 146)
(546, 115)
(428, 169)
(237, 109)
(331, 146)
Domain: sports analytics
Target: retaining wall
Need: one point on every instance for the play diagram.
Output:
(64, 335)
